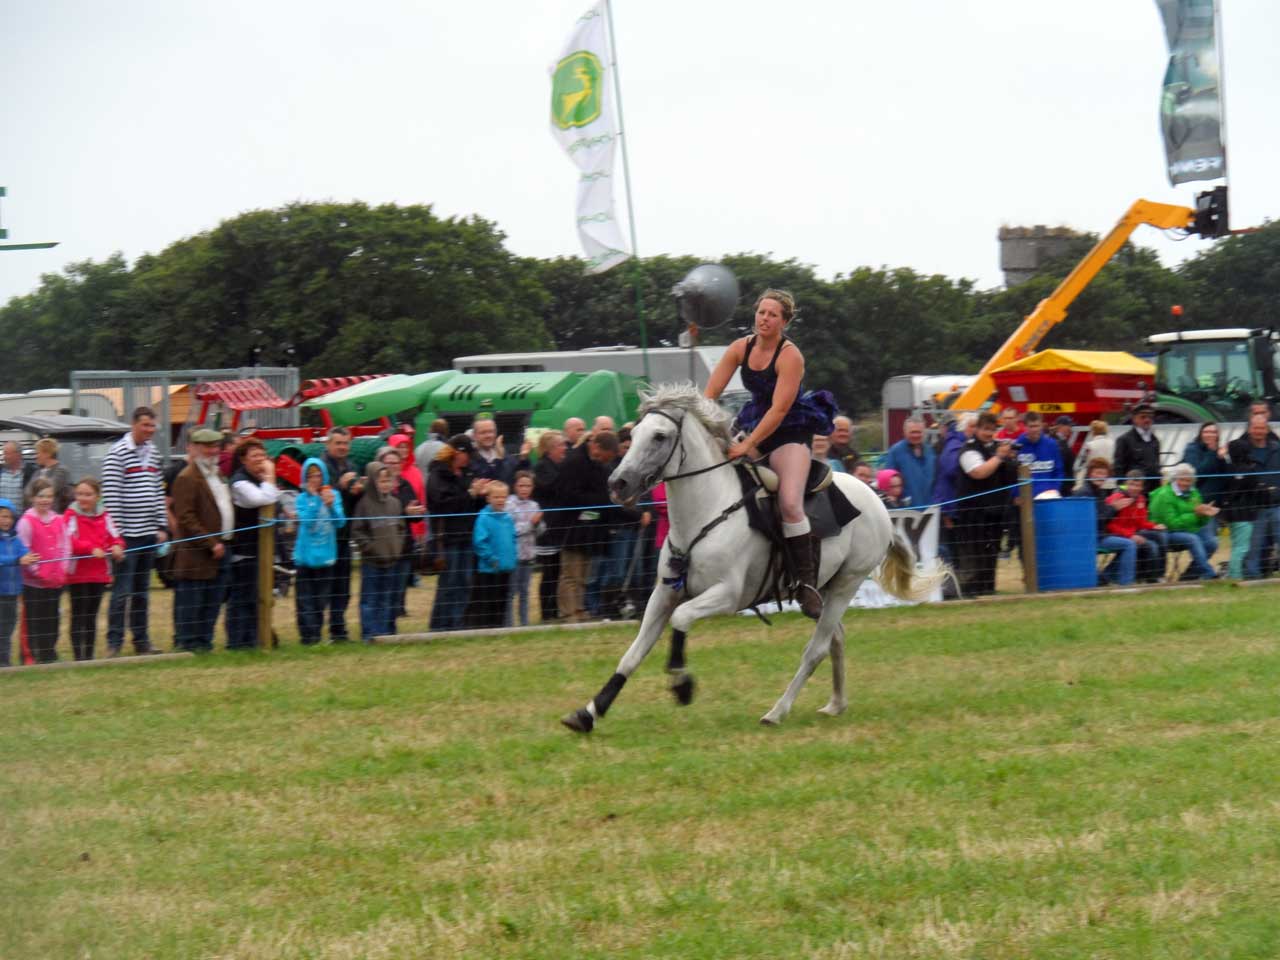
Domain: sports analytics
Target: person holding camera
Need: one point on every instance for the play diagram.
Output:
(987, 472)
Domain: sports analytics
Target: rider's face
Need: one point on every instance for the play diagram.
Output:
(769, 317)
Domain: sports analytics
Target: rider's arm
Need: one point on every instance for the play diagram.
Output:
(723, 372)
(790, 367)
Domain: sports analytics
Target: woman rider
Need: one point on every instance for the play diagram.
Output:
(780, 422)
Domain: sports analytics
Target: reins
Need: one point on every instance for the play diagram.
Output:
(679, 425)
(678, 560)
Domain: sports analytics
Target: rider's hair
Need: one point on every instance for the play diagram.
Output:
(787, 300)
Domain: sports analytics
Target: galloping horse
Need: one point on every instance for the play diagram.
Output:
(713, 562)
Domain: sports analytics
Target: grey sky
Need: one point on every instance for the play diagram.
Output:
(839, 134)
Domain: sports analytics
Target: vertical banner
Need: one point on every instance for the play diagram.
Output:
(582, 120)
(1191, 103)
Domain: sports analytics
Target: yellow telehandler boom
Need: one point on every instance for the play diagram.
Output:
(1209, 219)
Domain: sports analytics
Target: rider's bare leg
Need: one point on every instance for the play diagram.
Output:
(791, 462)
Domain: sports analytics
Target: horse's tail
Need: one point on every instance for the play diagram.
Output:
(898, 574)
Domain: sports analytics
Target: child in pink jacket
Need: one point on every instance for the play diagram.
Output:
(94, 539)
(45, 534)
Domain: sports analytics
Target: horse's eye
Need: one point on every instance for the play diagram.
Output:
(660, 437)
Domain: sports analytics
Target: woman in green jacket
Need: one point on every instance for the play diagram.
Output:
(1179, 507)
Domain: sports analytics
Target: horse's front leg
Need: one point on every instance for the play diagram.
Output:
(656, 613)
(814, 652)
(681, 679)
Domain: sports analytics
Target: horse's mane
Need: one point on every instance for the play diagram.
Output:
(687, 397)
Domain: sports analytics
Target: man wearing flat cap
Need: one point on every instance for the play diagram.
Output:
(1139, 449)
(206, 519)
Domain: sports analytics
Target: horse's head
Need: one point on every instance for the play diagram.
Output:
(654, 441)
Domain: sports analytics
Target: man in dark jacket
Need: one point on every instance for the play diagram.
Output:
(488, 461)
(956, 435)
(454, 495)
(552, 449)
(842, 448)
(1259, 452)
(1139, 449)
(987, 470)
(350, 486)
(1062, 430)
(584, 482)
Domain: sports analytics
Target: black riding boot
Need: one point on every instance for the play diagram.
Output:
(801, 551)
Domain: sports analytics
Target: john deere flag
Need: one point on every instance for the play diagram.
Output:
(1191, 107)
(582, 120)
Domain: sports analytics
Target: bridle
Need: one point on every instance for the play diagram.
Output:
(678, 560)
(679, 444)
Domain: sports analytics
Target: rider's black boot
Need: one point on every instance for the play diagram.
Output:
(801, 551)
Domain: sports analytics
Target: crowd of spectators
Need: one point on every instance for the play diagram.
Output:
(971, 469)
(499, 530)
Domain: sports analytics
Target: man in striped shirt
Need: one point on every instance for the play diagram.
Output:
(133, 493)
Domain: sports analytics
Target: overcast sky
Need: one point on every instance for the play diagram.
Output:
(840, 133)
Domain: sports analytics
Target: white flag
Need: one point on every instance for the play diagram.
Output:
(582, 119)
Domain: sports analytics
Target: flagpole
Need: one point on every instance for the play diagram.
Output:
(636, 274)
(1222, 88)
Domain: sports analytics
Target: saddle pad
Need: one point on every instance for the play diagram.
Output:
(828, 510)
(820, 477)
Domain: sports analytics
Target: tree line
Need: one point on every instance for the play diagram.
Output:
(346, 288)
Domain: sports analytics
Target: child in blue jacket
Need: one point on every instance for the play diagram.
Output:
(13, 556)
(316, 550)
(494, 540)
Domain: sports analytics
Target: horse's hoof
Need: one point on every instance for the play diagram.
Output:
(832, 709)
(682, 689)
(769, 720)
(579, 721)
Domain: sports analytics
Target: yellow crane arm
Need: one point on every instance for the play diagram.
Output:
(1053, 309)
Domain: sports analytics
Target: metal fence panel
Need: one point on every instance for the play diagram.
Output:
(171, 393)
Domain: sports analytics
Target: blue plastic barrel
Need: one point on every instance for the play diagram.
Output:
(1066, 543)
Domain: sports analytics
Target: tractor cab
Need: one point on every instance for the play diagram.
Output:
(1204, 375)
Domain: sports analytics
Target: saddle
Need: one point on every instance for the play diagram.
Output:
(826, 506)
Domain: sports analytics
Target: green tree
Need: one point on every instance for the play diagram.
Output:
(80, 316)
(1236, 283)
(595, 310)
(339, 289)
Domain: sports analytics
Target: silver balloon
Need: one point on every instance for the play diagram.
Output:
(707, 295)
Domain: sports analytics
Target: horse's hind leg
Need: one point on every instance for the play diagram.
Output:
(681, 679)
(837, 704)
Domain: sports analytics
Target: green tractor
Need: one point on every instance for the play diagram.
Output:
(1213, 375)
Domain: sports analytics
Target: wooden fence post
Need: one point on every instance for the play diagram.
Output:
(266, 573)
(1026, 509)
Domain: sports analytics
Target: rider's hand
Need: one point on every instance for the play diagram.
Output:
(742, 448)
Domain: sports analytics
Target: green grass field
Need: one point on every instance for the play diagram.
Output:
(1079, 777)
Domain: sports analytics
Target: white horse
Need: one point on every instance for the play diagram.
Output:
(721, 562)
